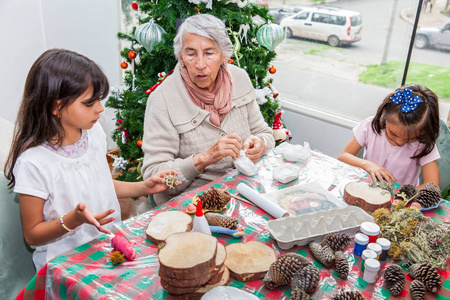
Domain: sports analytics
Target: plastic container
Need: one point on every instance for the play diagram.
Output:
(371, 230)
(372, 266)
(361, 241)
(385, 246)
(366, 254)
(375, 248)
(286, 173)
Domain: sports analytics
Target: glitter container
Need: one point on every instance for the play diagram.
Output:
(366, 254)
(361, 241)
(385, 246)
(375, 248)
(371, 230)
(372, 266)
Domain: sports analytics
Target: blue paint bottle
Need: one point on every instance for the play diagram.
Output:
(361, 241)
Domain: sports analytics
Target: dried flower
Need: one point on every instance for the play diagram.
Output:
(414, 237)
(117, 257)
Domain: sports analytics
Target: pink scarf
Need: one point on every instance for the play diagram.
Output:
(217, 102)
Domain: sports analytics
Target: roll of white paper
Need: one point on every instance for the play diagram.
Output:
(267, 205)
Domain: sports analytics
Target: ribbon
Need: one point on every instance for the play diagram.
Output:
(404, 98)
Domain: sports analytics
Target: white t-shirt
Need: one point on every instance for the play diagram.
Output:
(395, 159)
(63, 183)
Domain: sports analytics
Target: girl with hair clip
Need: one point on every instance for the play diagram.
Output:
(399, 141)
(57, 162)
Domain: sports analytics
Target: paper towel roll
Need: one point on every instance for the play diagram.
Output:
(267, 205)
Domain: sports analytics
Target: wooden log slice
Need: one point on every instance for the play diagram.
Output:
(222, 281)
(221, 256)
(204, 289)
(188, 255)
(178, 291)
(249, 261)
(216, 278)
(188, 283)
(366, 197)
(166, 223)
(208, 278)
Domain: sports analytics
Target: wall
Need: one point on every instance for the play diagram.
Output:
(29, 27)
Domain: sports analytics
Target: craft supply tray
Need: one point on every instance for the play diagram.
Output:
(312, 227)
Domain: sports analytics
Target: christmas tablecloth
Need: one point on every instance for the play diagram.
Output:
(87, 272)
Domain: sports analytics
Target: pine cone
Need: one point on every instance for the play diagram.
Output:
(214, 199)
(428, 274)
(348, 295)
(336, 241)
(430, 195)
(215, 219)
(341, 261)
(394, 279)
(306, 279)
(322, 254)
(298, 294)
(282, 270)
(408, 189)
(417, 290)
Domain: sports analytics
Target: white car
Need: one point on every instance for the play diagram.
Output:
(329, 24)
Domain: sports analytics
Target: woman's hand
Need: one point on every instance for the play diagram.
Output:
(254, 148)
(84, 215)
(157, 184)
(378, 172)
(229, 145)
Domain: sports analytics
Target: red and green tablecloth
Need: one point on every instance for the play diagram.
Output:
(87, 272)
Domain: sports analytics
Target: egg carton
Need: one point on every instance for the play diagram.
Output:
(312, 227)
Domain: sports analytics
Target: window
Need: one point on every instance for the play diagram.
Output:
(366, 62)
(302, 16)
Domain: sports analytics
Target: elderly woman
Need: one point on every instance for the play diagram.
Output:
(200, 118)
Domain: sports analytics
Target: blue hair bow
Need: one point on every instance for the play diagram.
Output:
(404, 98)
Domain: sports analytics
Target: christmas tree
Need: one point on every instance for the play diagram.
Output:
(150, 58)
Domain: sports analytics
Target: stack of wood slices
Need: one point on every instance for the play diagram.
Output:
(192, 263)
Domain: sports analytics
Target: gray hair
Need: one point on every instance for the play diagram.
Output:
(207, 26)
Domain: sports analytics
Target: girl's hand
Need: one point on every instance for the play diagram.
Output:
(84, 215)
(229, 145)
(378, 172)
(254, 148)
(157, 184)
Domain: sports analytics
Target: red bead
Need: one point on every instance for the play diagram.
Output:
(134, 5)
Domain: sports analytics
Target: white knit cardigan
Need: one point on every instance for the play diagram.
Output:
(175, 129)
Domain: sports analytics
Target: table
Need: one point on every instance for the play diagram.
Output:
(86, 272)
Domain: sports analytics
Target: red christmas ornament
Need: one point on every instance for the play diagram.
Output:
(139, 143)
(231, 61)
(132, 54)
(134, 5)
(124, 65)
(272, 70)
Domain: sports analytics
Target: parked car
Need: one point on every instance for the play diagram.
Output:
(280, 13)
(329, 24)
(433, 37)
